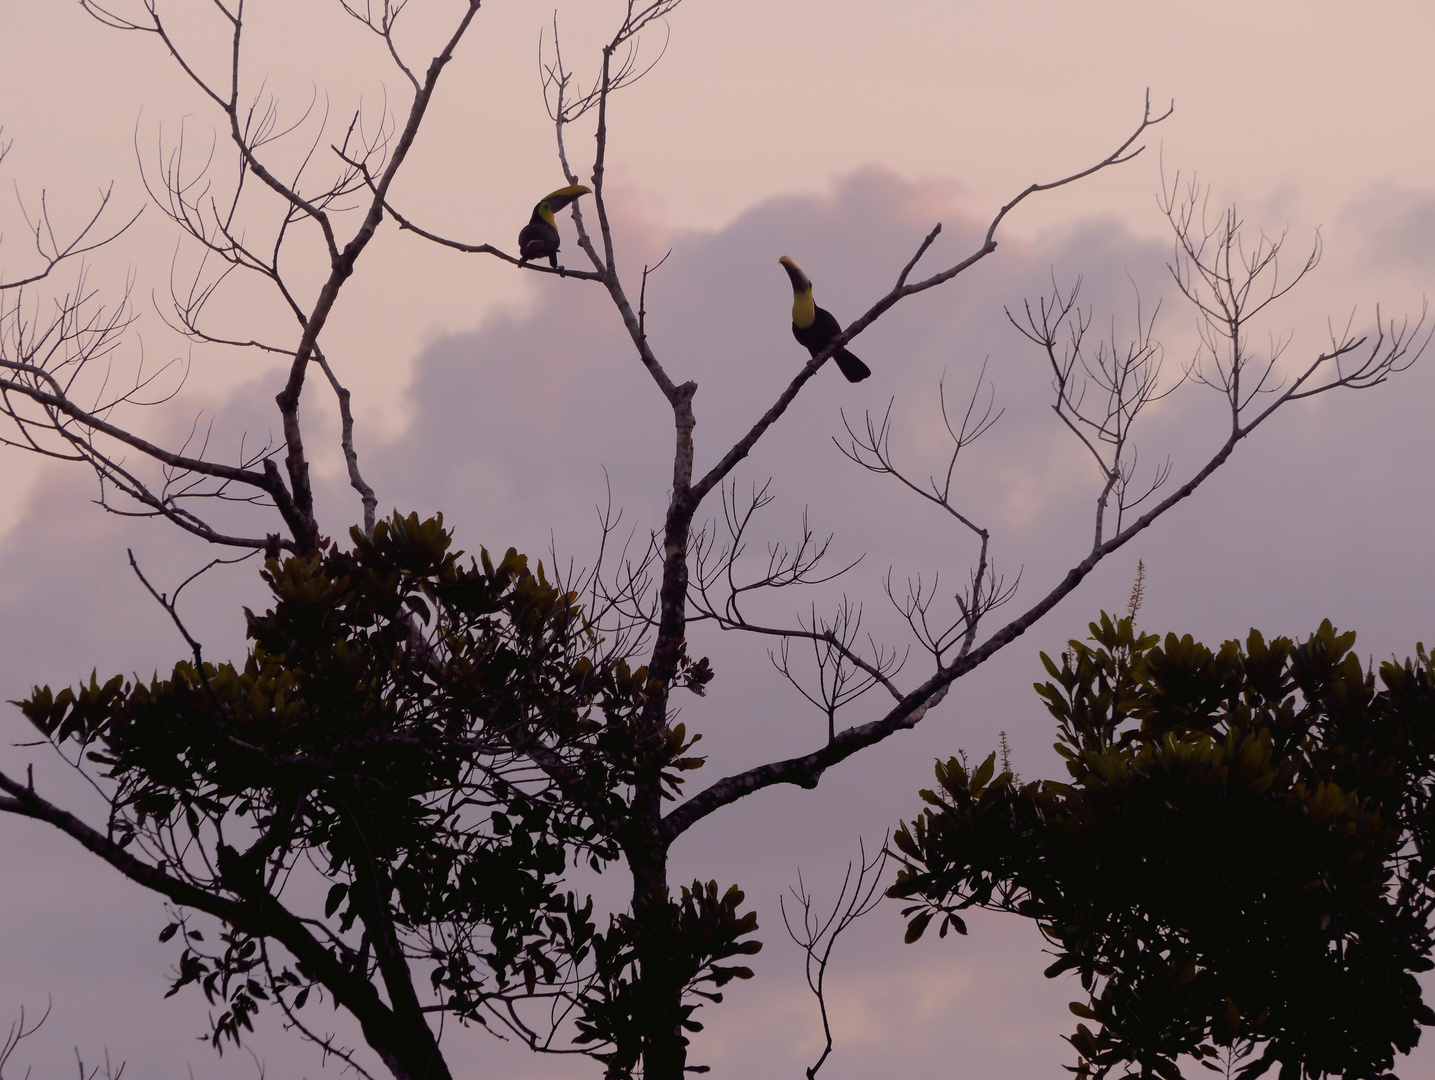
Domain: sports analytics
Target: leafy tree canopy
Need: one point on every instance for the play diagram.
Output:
(1240, 866)
(442, 743)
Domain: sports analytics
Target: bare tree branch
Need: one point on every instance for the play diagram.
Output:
(1224, 285)
(815, 934)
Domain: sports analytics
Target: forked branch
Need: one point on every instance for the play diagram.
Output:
(816, 934)
(903, 289)
(1223, 296)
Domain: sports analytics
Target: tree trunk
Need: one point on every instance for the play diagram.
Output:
(659, 998)
(660, 989)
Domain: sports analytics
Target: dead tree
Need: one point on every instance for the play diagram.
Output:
(337, 191)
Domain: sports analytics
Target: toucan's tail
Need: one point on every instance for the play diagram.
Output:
(851, 367)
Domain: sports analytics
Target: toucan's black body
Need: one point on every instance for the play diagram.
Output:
(815, 327)
(539, 238)
(824, 328)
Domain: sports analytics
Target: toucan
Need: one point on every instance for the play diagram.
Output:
(540, 236)
(815, 327)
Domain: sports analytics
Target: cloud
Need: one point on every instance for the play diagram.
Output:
(1395, 224)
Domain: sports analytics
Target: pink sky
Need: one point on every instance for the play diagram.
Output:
(837, 133)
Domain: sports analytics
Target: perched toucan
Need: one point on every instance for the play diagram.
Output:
(815, 327)
(539, 237)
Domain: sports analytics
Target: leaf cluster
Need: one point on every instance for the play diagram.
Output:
(695, 934)
(414, 755)
(1240, 860)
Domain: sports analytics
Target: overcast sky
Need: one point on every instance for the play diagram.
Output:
(509, 401)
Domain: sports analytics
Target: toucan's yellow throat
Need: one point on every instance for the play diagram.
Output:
(803, 308)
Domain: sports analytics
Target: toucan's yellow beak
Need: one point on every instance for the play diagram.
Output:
(799, 280)
(557, 200)
(565, 195)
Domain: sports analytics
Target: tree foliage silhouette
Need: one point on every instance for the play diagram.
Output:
(400, 761)
(1239, 865)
